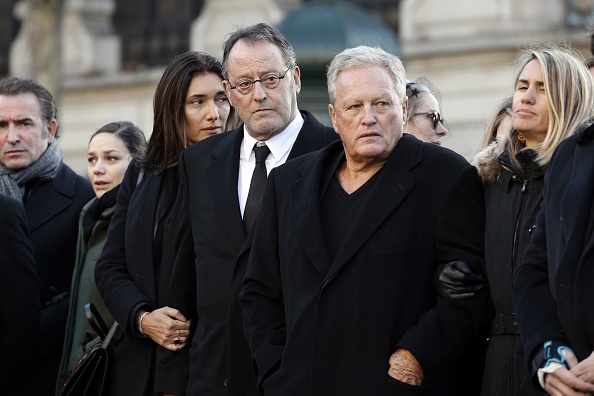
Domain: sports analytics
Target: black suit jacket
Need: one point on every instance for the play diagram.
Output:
(129, 278)
(322, 327)
(20, 309)
(52, 207)
(209, 172)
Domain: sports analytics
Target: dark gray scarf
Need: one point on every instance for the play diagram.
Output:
(12, 182)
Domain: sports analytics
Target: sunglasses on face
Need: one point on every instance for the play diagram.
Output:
(436, 118)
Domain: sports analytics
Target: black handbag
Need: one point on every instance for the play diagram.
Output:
(89, 376)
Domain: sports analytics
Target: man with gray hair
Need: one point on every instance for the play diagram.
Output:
(338, 294)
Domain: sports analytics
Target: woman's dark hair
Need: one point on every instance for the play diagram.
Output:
(130, 134)
(168, 138)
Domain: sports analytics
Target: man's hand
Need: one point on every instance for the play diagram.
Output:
(564, 382)
(404, 367)
(584, 370)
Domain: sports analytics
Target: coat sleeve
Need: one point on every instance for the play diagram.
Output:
(261, 296)
(20, 308)
(177, 290)
(443, 332)
(121, 294)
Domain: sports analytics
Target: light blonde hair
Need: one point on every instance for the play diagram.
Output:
(570, 96)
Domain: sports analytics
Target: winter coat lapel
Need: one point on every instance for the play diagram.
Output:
(51, 198)
(392, 186)
(222, 176)
(144, 204)
(305, 209)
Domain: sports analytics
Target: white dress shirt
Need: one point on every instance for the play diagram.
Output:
(280, 146)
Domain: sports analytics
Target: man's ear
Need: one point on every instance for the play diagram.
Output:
(332, 113)
(297, 78)
(52, 128)
(404, 110)
(227, 88)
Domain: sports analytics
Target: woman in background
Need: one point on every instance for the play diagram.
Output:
(153, 300)
(500, 124)
(423, 116)
(110, 151)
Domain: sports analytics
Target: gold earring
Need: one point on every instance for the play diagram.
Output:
(521, 138)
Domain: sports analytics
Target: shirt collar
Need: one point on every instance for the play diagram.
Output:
(279, 144)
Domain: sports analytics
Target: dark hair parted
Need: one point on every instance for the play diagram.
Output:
(256, 33)
(13, 86)
(131, 135)
(168, 138)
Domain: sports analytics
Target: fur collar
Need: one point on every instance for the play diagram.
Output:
(485, 161)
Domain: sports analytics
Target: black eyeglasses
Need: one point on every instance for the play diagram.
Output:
(436, 118)
(270, 81)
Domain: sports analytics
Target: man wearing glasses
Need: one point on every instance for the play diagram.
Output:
(223, 179)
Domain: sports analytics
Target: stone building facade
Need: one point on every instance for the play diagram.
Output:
(113, 52)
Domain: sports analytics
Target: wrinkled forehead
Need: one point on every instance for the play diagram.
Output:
(254, 58)
(20, 107)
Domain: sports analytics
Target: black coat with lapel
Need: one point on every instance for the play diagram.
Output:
(209, 173)
(20, 309)
(554, 282)
(321, 327)
(53, 206)
(127, 279)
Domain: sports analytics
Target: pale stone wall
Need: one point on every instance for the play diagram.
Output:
(220, 17)
(88, 104)
(468, 51)
(466, 47)
(89, 43)
(471, 85)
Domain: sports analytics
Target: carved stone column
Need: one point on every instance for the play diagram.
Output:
(35, 52)
(89, 43)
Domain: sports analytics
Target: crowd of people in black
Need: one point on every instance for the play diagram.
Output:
(247, 249)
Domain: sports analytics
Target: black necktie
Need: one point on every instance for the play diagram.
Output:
(257, 185)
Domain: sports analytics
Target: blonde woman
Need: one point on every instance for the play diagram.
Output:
(552, 100)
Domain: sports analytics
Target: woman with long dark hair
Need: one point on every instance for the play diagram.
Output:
(147, 294)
